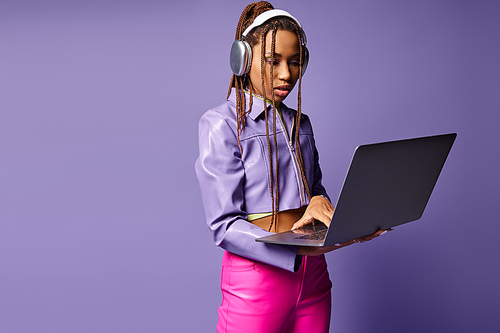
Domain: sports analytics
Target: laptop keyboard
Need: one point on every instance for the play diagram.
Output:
(314, 236)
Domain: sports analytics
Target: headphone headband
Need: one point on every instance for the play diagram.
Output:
(267, 15)
(240, 58)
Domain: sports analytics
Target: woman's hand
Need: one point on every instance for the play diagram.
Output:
(316, 251)
(319, 209)
(322, 210)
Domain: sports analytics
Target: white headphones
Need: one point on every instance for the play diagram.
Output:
(240, 58)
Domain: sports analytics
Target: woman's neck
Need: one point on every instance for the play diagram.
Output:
(278, 104)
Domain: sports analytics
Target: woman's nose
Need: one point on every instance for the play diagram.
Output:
(284, 72)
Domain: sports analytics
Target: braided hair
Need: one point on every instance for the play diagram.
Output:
(256, 36)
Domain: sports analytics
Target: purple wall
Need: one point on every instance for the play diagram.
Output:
(99, 103)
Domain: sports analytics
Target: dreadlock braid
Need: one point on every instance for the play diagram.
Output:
(239, 83)
(274, 216)
(299, 114)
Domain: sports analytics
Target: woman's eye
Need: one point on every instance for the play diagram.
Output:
(295, 63)
(269, 60)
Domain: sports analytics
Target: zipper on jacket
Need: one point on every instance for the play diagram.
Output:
(294, 157)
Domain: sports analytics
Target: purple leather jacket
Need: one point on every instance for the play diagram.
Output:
(235, 185)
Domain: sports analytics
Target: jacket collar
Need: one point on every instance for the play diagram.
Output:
(257, 106)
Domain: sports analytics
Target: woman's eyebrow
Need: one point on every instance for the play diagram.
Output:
(279, 54)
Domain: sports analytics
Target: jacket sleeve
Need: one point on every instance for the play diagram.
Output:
(317, 187)
(221, 176)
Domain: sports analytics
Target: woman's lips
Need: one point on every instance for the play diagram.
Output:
(282, 91)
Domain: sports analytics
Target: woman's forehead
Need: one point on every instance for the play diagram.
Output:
(286, 41)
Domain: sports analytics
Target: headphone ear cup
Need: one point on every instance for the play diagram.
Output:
(305, 59)
(240, 57)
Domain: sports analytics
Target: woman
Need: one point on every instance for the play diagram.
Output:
(258, 171)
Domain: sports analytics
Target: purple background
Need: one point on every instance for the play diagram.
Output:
(99, 103)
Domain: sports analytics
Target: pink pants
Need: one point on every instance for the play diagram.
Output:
(257, 297)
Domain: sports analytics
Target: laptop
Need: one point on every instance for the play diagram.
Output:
(387, 184)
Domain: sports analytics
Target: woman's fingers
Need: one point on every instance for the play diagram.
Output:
(304, 220)
(370, 237)
(318, 209)
(316, 251)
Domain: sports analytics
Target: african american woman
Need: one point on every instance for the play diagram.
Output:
(259, 173)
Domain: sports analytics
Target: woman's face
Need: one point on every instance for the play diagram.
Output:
(286, 65)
